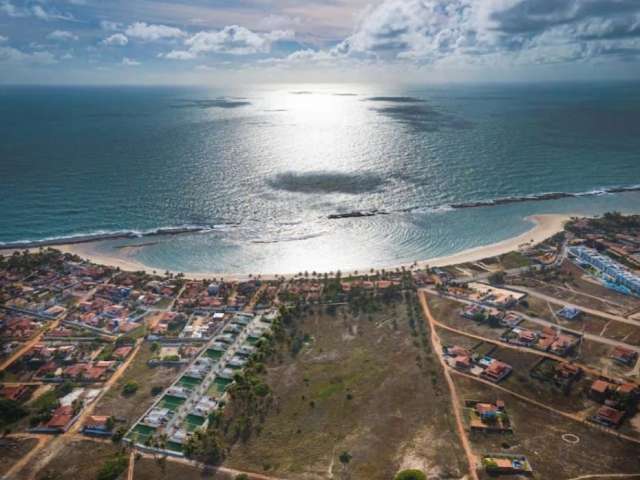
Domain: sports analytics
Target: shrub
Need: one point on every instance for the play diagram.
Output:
(411, 475)
(10, 411)
(113, 468)
(130, 388)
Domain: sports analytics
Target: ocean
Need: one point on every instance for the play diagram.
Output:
(287, 178)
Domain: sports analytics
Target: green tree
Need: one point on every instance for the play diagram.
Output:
(411, 475)
(10, 411)
(497, 278)
(113, 467)
(345, 457)
(205, 446)
(118, 434)
(130, 388)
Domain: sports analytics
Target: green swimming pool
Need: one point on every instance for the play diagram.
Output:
(192, 422)
(187, 381)
(213, 354)
(141, 433)
(171, 402)
(174, 447)
(218, 387)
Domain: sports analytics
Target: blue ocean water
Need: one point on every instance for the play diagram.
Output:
(266, 170)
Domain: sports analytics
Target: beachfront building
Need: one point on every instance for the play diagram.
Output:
(614, 275)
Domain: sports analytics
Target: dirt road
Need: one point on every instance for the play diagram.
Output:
(455, 400)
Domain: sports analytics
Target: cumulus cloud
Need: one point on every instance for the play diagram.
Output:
(62, 36)
(430, 31)
(110, 26)
(117, 40)
(151, 33)
(13, 55)
(3, 39)
(129, 62)
(279, 22)
(233, 40)
(180, 55)
(36, 11)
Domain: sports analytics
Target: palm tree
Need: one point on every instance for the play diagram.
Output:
(345, 457)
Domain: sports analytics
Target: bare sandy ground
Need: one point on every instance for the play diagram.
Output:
(545, 226)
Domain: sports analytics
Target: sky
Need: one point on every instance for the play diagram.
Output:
(248, 41)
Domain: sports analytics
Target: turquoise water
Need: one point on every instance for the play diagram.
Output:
(262, 170)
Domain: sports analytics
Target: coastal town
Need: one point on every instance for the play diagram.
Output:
(520, 365)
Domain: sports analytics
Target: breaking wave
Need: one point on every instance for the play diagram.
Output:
(109, 235)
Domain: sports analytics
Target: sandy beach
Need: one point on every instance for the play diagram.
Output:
(545, 226)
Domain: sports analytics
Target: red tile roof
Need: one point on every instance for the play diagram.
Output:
(61, 417)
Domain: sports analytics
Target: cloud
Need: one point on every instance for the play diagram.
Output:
(129, 62)
(3, 39)
(152, 33)
(473, 31)
(11, 10)
(36, 11)
(13, 55)
(62, 36)
(232, 40)
(110, 26)
(279, 22)
(180, 55)
(117, 39)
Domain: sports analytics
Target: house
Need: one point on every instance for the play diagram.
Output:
(61, 419)
(121, 353)
(599, 390)
(608, 416)
(624, 356)
(462, 362)
(94, 373)
(496, 371)
(157, 417)
(569, 313)
(506, 464)
(75, 371)
(15, 393)
(97, 425)
(567, 371)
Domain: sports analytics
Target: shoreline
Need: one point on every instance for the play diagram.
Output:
(545, 226)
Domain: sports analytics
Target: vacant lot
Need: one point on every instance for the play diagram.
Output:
(129, 408)
(363, 385)
(538, 435)
(80, 460)
(448, 312)
(151, 469)
(12, 450)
